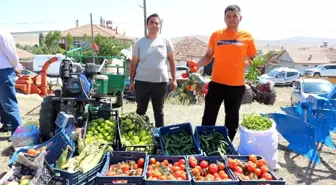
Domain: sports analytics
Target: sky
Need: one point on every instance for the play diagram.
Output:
(264, 19)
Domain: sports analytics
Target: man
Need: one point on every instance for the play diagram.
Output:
(149, 69)
(230, 46)
(9, 108)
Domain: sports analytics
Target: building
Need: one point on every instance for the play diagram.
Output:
(105, 29)
(300, 59)
(25, 58)
(188, 48)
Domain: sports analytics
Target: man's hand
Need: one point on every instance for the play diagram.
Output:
(173, 85)
(131, 86)
(17, 72)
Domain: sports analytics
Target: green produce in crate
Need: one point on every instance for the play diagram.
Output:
(135, 130)
(180, 143)
(101, 129)
(214, 144)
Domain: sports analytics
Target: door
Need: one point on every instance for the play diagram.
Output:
(296, 93)
(325, 71)
(290, 77)
(280, 78)
(332, 70)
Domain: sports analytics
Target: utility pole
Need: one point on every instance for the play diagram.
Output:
(144, 7)
(161, 23)
(93, 51)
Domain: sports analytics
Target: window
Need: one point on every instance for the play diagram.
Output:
(317, 87)
(305, 65)
(78, 43)
(290, 74)
(332, 67)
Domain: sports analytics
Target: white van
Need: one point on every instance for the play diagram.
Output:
(282, 76)
(40, 60)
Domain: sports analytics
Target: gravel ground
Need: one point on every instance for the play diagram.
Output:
(296, 169)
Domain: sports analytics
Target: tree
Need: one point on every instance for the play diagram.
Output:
(41, 40)
(52, 41)
(110, 46)
(69, 40)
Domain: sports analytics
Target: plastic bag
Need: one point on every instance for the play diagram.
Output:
(33, 166)
(263, 143)
(26, 136)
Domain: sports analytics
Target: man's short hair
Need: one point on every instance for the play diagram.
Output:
(153, 15)
(232, 8)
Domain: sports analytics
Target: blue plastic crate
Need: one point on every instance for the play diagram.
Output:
(54, 147)
(116, 157)
(77, 178)
(177, 128)
(210, 129)
(214, 159)
(171, 159)
(276, 181)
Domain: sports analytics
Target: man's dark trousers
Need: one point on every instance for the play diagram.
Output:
(156, 92)
(232, 97)
(9, 108)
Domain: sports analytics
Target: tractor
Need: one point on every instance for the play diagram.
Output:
(71, 102)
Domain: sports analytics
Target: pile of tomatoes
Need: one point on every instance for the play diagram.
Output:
(205, 171)
(164, 170)
(253, 169)
(127, 168)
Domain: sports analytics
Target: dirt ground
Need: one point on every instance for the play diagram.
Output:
(296, 169)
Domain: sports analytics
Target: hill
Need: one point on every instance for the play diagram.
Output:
(288, 43)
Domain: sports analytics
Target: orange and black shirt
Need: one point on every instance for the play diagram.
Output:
(230, 50)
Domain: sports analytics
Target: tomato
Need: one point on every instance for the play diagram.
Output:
(215, 175)
(152, 160)
(257, 171)
(125, 168)
(267, 176)
(176, 164)
(253, 158)
(213, 168)
(261, 162)
(232, 163)
(195, 172)
(181, 161)
(110, 173)
(149, 173)
(157, 174)
(264, 169)
(250, 166)
(243, 177)
(237, 174)
(185, 75)
(183, 167)
(165, 162)
(141, 162)
(221, 166)
(204, 164)
(223, 175)
(193, 69)
(209, 177)
(192, 63)
(177, 174)
(176, 168)
(238, 169)
(192, 162)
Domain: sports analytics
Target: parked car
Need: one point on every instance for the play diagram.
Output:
(302, 88)
(282, 76)
(322, 70)
(40, 60)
